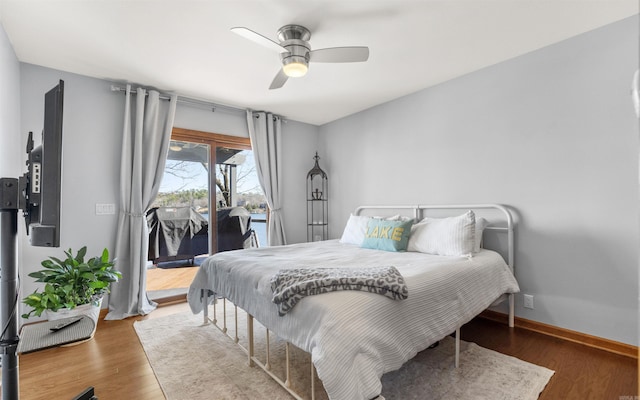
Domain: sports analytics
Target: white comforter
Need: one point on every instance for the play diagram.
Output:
(354, 337)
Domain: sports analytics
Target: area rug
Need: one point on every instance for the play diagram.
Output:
(196, 361)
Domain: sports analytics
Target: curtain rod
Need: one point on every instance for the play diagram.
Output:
(187, 100)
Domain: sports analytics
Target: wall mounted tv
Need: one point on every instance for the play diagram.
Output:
(44, 173)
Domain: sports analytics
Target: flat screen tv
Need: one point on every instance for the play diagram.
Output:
(44, 173)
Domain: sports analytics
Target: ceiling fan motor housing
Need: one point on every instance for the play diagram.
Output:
(294, 38)
(288, 32)
(298, 51)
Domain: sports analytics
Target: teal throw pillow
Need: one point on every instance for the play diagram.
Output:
(387, 235)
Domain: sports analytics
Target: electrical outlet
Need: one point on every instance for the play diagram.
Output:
(528, 301)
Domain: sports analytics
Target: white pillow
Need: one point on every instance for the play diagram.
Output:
(355, 229)
(452, 236)
(481, 223)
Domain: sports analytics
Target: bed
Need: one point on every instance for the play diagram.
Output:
(355, 336)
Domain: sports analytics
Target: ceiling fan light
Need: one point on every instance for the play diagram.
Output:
(295, 69)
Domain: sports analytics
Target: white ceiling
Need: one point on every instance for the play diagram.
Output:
(186, 46)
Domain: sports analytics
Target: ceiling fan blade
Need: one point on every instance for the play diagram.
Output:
(340, 54)
(258, 38)
(279, 80)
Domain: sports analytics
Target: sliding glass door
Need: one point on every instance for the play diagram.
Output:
(209, 201)
(201, 197)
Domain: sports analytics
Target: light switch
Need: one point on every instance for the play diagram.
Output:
(105, 209)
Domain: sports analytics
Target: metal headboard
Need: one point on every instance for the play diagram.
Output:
(506, 226)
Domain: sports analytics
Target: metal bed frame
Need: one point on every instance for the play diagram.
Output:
(418, 212)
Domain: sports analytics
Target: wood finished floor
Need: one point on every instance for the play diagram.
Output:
(171, 278)
(116, 365)
(581, 372)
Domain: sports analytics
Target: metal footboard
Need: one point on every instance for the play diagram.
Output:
(253, 360)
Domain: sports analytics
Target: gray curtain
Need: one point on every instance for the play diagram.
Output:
(145, 143)
(265, 134)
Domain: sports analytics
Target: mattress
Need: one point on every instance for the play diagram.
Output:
(354, 337)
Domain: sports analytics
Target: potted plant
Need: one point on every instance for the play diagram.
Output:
(73, 286)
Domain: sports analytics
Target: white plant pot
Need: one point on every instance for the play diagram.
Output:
(91, 310)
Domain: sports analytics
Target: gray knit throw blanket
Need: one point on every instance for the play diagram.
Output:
(289, 286)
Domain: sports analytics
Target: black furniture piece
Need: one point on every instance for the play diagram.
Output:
(176, 233)
(234, 229)
(87, 394)
(317, 203)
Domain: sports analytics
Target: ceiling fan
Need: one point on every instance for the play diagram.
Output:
(295, 51)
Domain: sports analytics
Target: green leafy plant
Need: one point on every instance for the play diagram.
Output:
(71, 282)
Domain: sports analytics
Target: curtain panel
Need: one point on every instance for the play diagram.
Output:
(266, 136)
(145, 142)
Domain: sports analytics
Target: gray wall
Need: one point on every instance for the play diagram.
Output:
(9, 109)
(299, 145)
(92, 125)
(552, 134)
